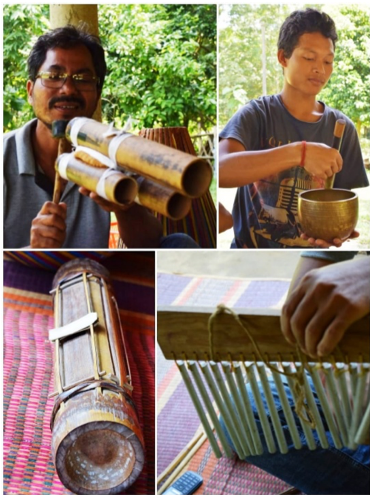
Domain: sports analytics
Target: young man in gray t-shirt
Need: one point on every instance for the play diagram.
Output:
(277, 146)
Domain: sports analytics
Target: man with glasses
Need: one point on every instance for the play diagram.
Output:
(66, 69)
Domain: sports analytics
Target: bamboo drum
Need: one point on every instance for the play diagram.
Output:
(97, 443)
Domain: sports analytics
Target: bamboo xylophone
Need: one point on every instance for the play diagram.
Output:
(218, 353)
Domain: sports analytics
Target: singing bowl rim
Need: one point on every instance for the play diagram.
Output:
(302, 196)
(67, 442)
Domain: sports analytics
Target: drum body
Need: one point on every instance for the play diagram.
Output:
(97, 442)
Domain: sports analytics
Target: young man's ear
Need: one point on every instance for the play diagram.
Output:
(29, 91)
(282, 58)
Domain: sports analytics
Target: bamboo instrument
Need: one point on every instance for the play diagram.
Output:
(200, 222)
(187, 174)
(110, 184)
(233, 349)
(97, 443)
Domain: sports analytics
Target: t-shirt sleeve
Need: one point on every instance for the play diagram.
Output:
(245, 127)
(331, 256)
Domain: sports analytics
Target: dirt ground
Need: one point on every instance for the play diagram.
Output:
(232, 263)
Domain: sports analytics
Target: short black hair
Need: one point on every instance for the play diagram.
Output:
(304, 21)
(67, 37)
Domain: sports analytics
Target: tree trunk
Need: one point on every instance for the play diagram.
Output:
(63, 14)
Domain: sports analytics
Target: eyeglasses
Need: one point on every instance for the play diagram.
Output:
(56, 80)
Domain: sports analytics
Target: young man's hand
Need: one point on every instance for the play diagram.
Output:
(324, 303)
(322, 161)
(324, 244)
(48, 228)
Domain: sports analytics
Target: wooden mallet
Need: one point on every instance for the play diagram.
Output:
(58, 129)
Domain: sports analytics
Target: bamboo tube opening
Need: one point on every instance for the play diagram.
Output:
(99, 452)
(125, 191)
(100, 457)
(178, 206)
(197, 178)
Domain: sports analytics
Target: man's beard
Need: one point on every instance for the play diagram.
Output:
(63, 99)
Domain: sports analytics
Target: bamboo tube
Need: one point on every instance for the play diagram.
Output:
(314, 411)
(358, 405)
(188, 174)
(97, 442)
(199, 408)
(222, 408)
(110, 184)
(306, 429)
(162, 199)
(333, 393)
(353, 373)
(287, 409)
(239, 407)
(272, 408)
(233, 413)
(261, 410)
(326, 408)
(362, 435)
(343, 391)
(210, 409)
(258, 449)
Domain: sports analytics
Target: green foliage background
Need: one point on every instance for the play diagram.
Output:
(240, 57)
(161, 63)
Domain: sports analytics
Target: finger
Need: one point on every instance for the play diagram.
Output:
(337, 242)
(84, 191)
(323, 244)
(332, 336)
(315, 329)
(300, 320)
(285, 326)
(52, 208)
(51, 232)
(45, 242)
(354, 234)
(49, 222)
(287, 313)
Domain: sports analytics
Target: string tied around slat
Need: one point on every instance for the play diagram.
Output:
(298, 377)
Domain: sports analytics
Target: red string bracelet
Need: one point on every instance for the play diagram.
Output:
(303, 156)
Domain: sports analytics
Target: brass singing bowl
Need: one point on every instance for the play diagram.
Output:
(328, 214)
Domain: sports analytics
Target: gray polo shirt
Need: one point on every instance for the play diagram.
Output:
(87, 223)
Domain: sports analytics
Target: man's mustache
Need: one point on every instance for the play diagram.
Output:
(66, 99)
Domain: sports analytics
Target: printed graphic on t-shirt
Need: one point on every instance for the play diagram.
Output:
(273, 215)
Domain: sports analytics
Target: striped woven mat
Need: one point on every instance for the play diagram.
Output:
(177, 421)
(28, 365)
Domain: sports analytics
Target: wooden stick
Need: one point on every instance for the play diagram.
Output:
(182, 464)
(58, 129)
(198, 435)
(64, 146)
